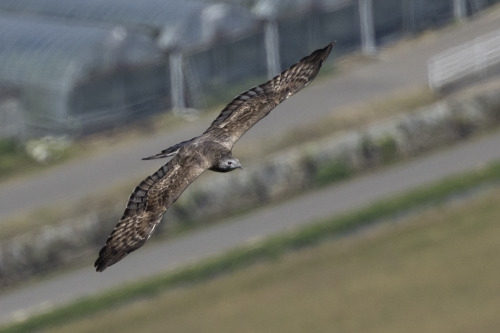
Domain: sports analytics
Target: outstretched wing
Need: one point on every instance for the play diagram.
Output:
(248, 108)
(145, 208)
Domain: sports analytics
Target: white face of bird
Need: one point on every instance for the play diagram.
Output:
(229, 164)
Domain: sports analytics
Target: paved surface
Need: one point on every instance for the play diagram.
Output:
(397, 68)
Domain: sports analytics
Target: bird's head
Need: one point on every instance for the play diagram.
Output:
(227, 164)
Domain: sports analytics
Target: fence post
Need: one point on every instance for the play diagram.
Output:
(271, 42)
(367, 28)
(176, 81)
(459, 9)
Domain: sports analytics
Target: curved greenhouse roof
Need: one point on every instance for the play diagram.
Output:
(279, 9)
(74, 79)
(36, 52)
(178, 23)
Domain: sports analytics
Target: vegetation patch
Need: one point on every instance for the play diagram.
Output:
(388, 149)
(17, 157)
(333, 171)
(13, 158)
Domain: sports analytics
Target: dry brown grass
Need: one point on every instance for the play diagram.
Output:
(436, 271)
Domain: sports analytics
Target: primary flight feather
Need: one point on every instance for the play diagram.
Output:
(209, 151)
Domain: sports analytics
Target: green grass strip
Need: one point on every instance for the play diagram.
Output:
(269, 248)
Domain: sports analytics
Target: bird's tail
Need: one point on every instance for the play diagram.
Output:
(170, 151)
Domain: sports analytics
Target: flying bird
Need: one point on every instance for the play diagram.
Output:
(209, 151)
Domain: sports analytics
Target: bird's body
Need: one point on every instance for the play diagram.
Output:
(209, 151)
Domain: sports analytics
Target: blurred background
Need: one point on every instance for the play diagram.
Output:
(408, 97)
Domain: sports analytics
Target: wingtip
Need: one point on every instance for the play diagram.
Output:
(104, 262)
(109, 256)
(323, 53)
(328, 48)
(105, 259)
(99, 267)
(100, 264)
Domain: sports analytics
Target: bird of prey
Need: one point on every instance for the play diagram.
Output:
(209, 151)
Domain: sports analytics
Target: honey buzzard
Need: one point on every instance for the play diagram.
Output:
(209, 151)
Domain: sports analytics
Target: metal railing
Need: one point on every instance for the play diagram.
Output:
(469, 60)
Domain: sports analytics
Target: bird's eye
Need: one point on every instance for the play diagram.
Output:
(229, 162)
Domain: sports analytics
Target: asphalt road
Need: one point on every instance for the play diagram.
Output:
(155, 258)
(397, 68)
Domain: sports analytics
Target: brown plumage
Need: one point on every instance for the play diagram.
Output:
(209, 151)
